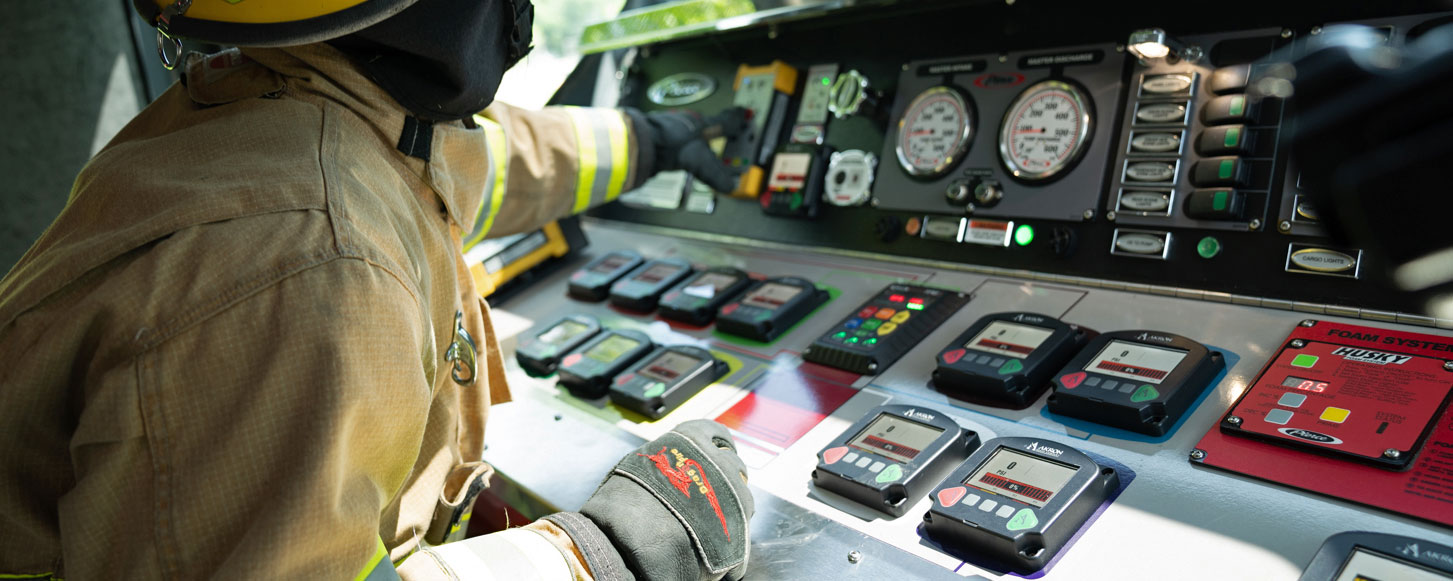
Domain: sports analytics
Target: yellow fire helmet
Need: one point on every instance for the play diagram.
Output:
(258, 22)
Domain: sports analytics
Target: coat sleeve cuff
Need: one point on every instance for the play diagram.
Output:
(600, 555)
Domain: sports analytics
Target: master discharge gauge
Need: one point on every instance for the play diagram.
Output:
(1046, 130)
(935, 132)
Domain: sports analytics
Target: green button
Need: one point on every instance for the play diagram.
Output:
(1218, 200)
(1145, 393)
(871, 341)
(796, 201)
(1024, 519)
(854, 340)
(1228, 167)
(1233, 136)
(890, 474)
(1304, 361)
(1238, 105)
(655, 389)
(840, 334)
(1012, 366)
(871, 324)
(1208, 247)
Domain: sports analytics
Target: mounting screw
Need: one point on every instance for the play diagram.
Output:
(969, 209)
(1284, 226)
(1308, 323)
(905, 67)
(872, 367)
(1298, 344)
(1254, 224)
(772, 32)
(1110, 216)
(1119, 48)
(1198, 454)
(1193, 54)
(1316, 30)
(559, 417)
(1286, 33)
(873, 202)
(1448, 365)
(1233, 420)
(1003, 58)
(855, 556)
(1391, 454)
(1090, 214)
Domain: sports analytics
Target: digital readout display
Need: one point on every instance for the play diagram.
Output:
(895, 437)
(1028, 479)
(1136, 361)
(611, 348)
(1304, 384)
(562, 333)
(657, 273)
(1011, 339)
(1364, 565)
(772, 296)
(610, 264)
(708, 284)
(669, 367)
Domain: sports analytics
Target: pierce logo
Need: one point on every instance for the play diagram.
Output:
(1155, 338)
(683, 475)
(1311, 436)
(913, 413)
(998, 80)
(681, 89)
(1375, 357)
(1046, 450)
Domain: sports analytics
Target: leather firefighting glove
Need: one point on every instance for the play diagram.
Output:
(672, 140)
(675, 509)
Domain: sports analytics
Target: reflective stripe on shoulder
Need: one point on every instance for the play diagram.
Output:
(499, 161)
(379, 568)
(46, 576)
(600, 136)
(509, 554)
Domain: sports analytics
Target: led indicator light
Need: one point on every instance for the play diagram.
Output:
(1024, 234)
(1208, 247)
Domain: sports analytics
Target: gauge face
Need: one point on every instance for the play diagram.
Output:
(1046, 130)
(934, 133)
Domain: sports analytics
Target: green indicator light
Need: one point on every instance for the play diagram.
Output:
(871, 341)
(1238, 105)
(1208, 247)
(1304, 361)
(841, 334)
(853, 339)
(1233, 135)
(1228, 166)
(1218, 200)
(914, 307)
(826, 81)
(1024, 234)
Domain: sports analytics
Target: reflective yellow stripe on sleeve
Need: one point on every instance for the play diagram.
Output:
(379, 568)
(498, 151)
(586, 148)
(615, 125)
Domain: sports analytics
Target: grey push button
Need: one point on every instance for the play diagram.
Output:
(1147, 201)
(983, 360)
(1161, 113)
(1308, 259)
(1141, 243)
(1110, 384)
(1004, 511)
(1220, 171)
(851, 457)
(1126, 388)
(988, 505)
(1218, 204)
(1227, 140)
(1229, 79)
(971, 500)
(1173, 84)
(1292, 400)
(1228, 109)
(1150, 171)
(1156, 142)
(864, 462)
(1279, 417)
(877, 467)
(1092, 381)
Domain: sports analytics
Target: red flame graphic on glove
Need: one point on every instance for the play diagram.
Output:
(685, 473)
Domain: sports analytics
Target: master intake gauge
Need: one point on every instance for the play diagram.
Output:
(935, 132)
(1046, 130)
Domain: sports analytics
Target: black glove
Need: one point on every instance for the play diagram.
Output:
(673, 140)
(675, 509)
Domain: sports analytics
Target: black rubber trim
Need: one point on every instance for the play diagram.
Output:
(346, 21)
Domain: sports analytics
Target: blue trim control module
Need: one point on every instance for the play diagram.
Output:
(770, 307)
(1017, 501)
(697, 300)
(540, 354)
(665, 379)
(642, 288)
(593, 281)
(888, 459)
(884, 328)
(1141, 381)
(587, 372)
(1007, 359)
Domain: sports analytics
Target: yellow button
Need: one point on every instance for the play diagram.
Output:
(900, 317)
(885, 314)
(887, 328)
(1334, 415)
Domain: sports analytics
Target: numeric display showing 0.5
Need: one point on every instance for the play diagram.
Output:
(935, 132)
(1305, 384)
(1046, 130)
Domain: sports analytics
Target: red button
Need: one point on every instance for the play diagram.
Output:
(624, 379)
(951, 496)
(954, 356)
(915, 301)
(1073, 380)
(571, 359)
(895, 298)
(727, 310)
(832, 455)
(867, 311)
